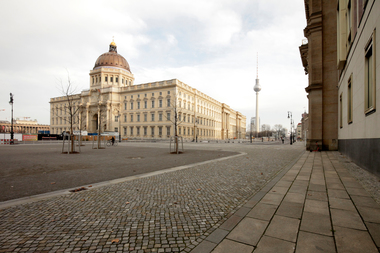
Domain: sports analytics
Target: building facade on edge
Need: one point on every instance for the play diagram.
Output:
(113, 103)
(341, 60)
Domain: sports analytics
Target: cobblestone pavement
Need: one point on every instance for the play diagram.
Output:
(168, 212)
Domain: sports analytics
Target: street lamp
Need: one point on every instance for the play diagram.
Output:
(11, 103)
(291, 126)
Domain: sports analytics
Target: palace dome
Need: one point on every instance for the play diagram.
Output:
(112, 59)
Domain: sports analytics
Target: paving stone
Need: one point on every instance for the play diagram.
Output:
(217, 236)
(231, 222)
(204, 247)
(358, 192)
(283, 228)
(353, 241)
(365, 201)
(369, 214)
(316, 206)
(279, 190)
(316, 223)
(242, 211)
(374, 230)
(310, 243)
(228, 246)
(321, 196)
(248, 231)
(269, 245)
(344, 204)
(347, 219)
(283, 183)
(272, 199)
(333, 193)
(262, 211)
(290, 209)
(295, 197)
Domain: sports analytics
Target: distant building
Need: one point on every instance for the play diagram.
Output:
(23, 126)
(114, 103)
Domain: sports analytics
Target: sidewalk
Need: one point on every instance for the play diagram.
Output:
(315, 206)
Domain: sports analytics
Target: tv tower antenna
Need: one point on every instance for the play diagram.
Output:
(257, 89)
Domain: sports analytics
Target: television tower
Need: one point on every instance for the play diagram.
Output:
(257, 89)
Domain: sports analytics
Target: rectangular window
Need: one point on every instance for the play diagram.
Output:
(152, 103)
(168, 131)
(168, 102)
(179, 130)
(117, 79)
(111, 79)
(145, 104)
(138, 117)
(125, 118)
(340, 111)
(116, 118)
(160, 130)
(125, 106)
(370, 76)
(145, 117)
(152, 94)
(152, 131)
(169, 92)
(179, 117)
(116, 129)
(138, 105)
(138, 130)
(131, 105)
(349, 101)
(168, 116)
(160, 117)
(152, 116)
(145, 130)
(160, 103)
(122, 81)
(131, 130)
(160, 93)
(125, 131)
(131, 118)
(106, 78)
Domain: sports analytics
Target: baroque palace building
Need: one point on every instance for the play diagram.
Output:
(341, 61)
(114, 104)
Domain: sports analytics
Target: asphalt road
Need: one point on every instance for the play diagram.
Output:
(27, 170)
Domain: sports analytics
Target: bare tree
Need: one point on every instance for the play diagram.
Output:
(70, 108)
(175, 107)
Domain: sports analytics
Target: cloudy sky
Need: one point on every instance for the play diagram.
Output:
(210, 45)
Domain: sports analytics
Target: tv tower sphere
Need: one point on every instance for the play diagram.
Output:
(257, 87)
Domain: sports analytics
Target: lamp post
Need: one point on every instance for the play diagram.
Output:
(118, 117)
(290, 116)
(11, 103)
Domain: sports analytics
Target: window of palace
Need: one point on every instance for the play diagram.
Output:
(125, 131)
(152, 131)
(131, 117)
(152, 117)
(125, 118)
(160, 117)
(145, 104)
(145, 117)
(152, 103)
(168, 102)
(131, 105)
(160, 130)
(138, 130)
(160, 93)
(117, 79)
(125, 106)
(111, 79)
(131, 130)
(138, 105)
(145, 130)
(138, 117)
(168, 116)
(168, 91)
(152, 94)
(106, 78)
(160, 103)
(116, 118)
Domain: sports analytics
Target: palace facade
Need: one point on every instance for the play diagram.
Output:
(150, 110)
